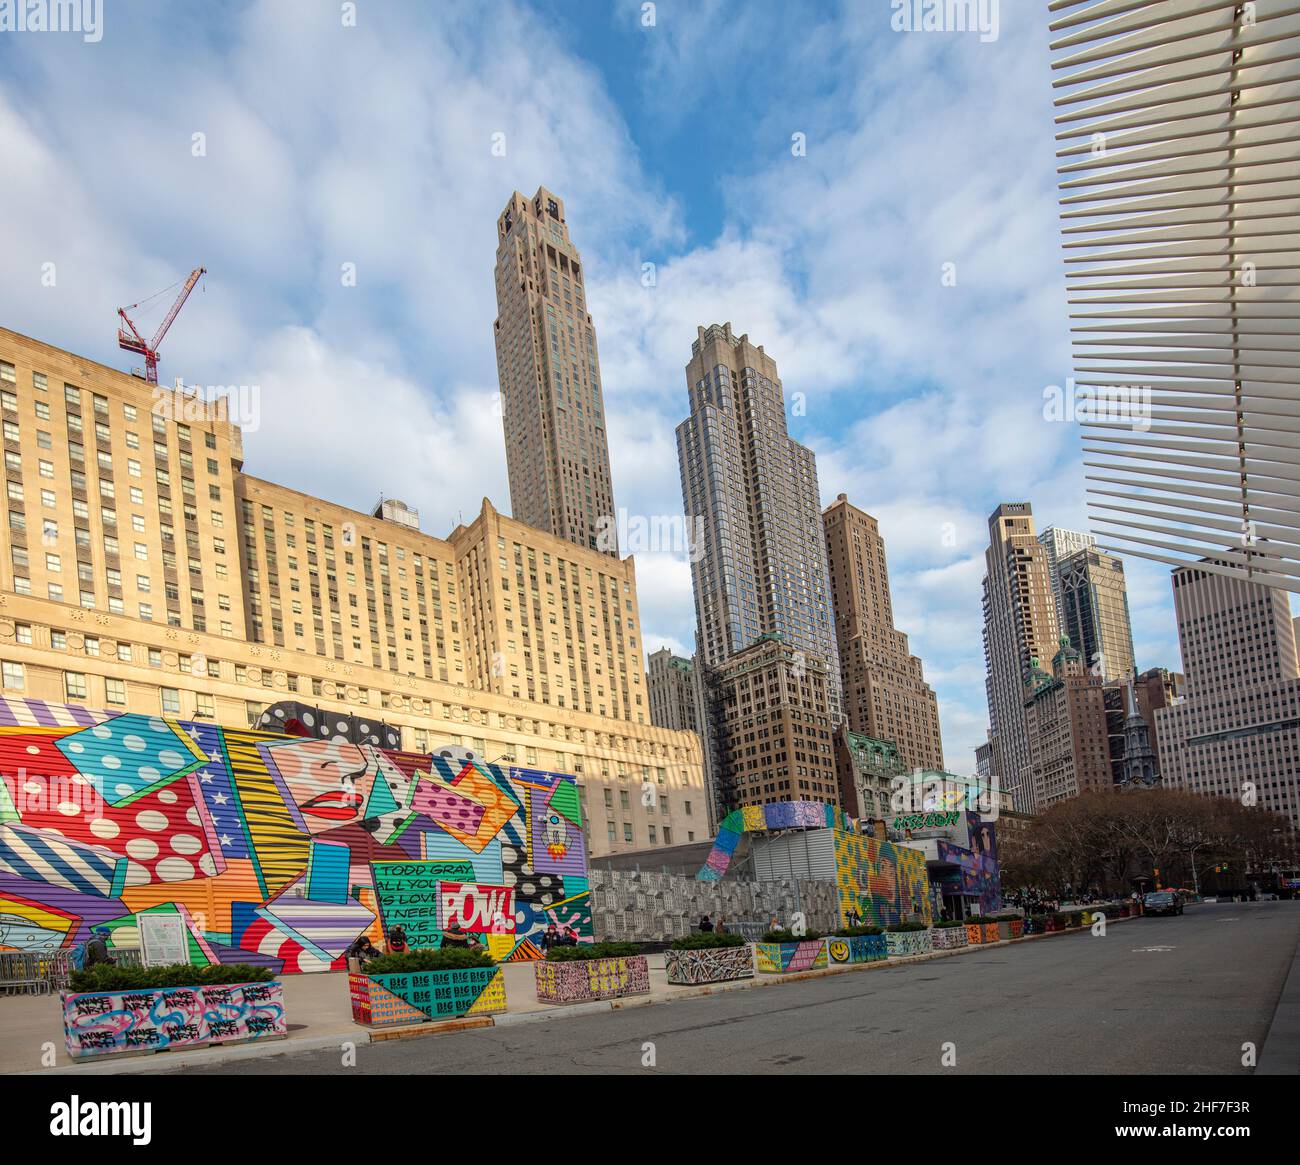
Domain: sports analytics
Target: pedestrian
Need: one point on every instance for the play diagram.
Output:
(569, 938)
(774, 923)
(397, 941)
(720, 927)
(97, 947)
(855, 919)
(706, 926)
(550, 937)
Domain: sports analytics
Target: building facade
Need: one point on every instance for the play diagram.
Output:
(1236, 732)
(775, 729)
(885, 693)
(1060, 544)
(867, 770)
(750, 494)
(1020, 629)
(143, 570)
(1093, 610)
(552, 405)
(1069, 744)
(670, 681)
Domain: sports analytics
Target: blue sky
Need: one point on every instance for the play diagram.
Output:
(671, 144)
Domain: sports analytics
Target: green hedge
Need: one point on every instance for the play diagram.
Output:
(950, 924)
(706, 940)
(983, 920)
(111, 977)
(428, 959)
(856, 931)
(586, 951)
(905, 927)
(784, 936)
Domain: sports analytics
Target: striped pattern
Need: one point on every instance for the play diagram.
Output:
(1179, 149)
(16, 712)
(46, 857)
(278, 848)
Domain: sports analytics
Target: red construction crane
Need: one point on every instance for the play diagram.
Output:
(132, 341)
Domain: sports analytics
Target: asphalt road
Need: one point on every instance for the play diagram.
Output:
(1167, 996)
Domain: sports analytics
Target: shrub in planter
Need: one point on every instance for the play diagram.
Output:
(947, 936)
(114, 1009)
(420, 985)
(708, 958)
(854, 931)
(907, 938)
(781, 951)
(592, 971)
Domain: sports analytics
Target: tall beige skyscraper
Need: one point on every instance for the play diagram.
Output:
(1020, 633)
(1093, 610)
(885, 693)
(1236, 732)
(557, 449)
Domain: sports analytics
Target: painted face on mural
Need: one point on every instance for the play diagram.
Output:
(327, 779)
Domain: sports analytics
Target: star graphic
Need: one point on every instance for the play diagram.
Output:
(206, 779)
(225, 839)
(219, 799)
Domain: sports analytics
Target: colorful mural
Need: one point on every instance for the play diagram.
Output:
(883, 882)
(979, 875)
(277, 850)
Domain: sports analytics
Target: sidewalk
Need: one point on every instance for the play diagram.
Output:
(319, 1015)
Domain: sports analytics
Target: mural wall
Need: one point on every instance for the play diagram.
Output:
(979, 875)
(276, 850)
(883, 882)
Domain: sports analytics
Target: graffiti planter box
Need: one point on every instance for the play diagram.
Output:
(105, 1023)
(908, 942)
(711, 965)
(858, 948)
(588, 980)
(977, 933)
(947, 938)
(1011, 929)
(385, 1000)
(782, 958)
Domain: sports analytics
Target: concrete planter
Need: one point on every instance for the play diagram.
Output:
(587, 980)
(710, 965)
(902, 943)
(106, 1023)
(1012, 928)
(947, 938)
(416, 997)
(858, 948)
(781, 958)
(977, 933)
(1054, 924)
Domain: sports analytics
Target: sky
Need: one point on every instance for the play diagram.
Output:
(876, 207)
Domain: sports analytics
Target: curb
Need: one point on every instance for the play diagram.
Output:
(1274, 1050)
(1280, 1055)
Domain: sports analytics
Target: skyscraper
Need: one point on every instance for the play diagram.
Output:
(671, 683)
(885, 693)
(1093, 611)
(1020, 632)
(557, 450)
(1060, 544)
(1236, 732)
(751, 494)
(1176, 136)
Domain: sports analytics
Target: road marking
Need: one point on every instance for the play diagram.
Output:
(1141, 950)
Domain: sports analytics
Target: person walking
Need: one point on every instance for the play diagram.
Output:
(97, 947)
(706, 927)
(397, 941)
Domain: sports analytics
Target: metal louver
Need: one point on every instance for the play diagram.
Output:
(1179, 160)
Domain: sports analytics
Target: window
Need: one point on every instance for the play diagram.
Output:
(13, 675)
(74, 685)
(204, 705)
(114, 692)
(171, 701)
